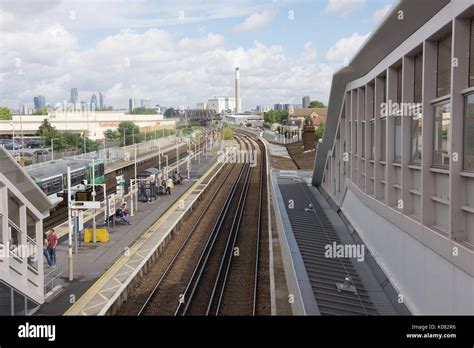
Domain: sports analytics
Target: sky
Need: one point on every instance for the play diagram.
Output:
(179, 52)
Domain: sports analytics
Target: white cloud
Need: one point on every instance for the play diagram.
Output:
(346, 47)
(379, 14)
(154, 64)
(343, 7)
(254, 21)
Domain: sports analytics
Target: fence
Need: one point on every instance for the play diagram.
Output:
(282, 138)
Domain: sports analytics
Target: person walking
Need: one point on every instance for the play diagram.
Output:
(52, 244)
(169, 186)
(45, 248)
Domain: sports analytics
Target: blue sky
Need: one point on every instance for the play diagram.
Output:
(179, 52)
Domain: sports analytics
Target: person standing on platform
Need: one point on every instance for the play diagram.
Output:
(45, 248)
(169, 186)
(52, 244)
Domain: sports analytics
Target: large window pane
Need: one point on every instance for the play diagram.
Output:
(471, 56)
(399, 84)
(383, 130)
(418, 78)
(362, 151)
(442, 115)
(6, 300)
(398, 139)
(469, 133)
(416, 144)
(444, 66)
(372, 140)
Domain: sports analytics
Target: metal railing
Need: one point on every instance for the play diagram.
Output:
(28, 250)
(52, 278)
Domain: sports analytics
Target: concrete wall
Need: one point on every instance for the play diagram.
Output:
(429, 283)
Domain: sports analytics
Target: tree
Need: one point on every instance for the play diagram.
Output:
(316, 104)
(42, 111)
(112, 135)
(275, 116)
(5, 113)
(47, 132)
(131, 132)
(169, 112)
(143, 111)
(319, 131)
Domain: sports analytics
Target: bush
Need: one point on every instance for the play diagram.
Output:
(227, 134)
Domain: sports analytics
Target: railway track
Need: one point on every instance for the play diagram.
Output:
(216, 269)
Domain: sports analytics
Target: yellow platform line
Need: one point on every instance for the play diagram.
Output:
(108, 275)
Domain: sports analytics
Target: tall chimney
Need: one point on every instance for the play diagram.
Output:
(237, 90)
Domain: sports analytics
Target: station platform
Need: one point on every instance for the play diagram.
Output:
(309, 229)
(128, 246)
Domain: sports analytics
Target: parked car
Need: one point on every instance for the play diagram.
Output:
(23, 154)
(12, 146)
(41, 152)
(33, 143)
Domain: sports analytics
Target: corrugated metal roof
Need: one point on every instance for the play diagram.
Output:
(313, 232)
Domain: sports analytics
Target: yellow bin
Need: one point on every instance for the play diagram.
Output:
(101, 234)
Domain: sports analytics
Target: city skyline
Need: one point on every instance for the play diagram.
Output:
(178, 57)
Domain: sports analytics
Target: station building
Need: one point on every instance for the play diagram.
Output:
(94, 123)
(23, 206)
(397, 157)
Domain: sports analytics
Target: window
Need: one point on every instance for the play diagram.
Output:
(471, 56)
(383, 129)
(418, 78)
(399, 84)
(363, 139)
(442, 115)
(372, 140)
(398, 139)
(443, 83)
(416, 129)
(469, 133)
(356, 152)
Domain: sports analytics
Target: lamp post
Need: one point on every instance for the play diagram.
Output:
(136, 190)
(69, 258)
(13, 137)
(166, 166)
(94, 225)
(52, 148)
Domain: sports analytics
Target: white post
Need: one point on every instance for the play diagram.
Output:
(166, 166)
(70, 263)
(106, 222)
(13, 136)
(189, 166)
(94, 226)
(131, 197)
(177, 158)
(21, 129)
(52, 149)
(136, 193)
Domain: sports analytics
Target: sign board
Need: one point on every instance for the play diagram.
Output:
(111, 204)
(120, 185)
(85, 205)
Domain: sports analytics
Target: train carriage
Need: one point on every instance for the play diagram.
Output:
(51, 177)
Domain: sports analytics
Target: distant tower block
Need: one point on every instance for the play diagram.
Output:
(237, 90)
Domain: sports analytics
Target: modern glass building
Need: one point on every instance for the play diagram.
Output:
(397, 156)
